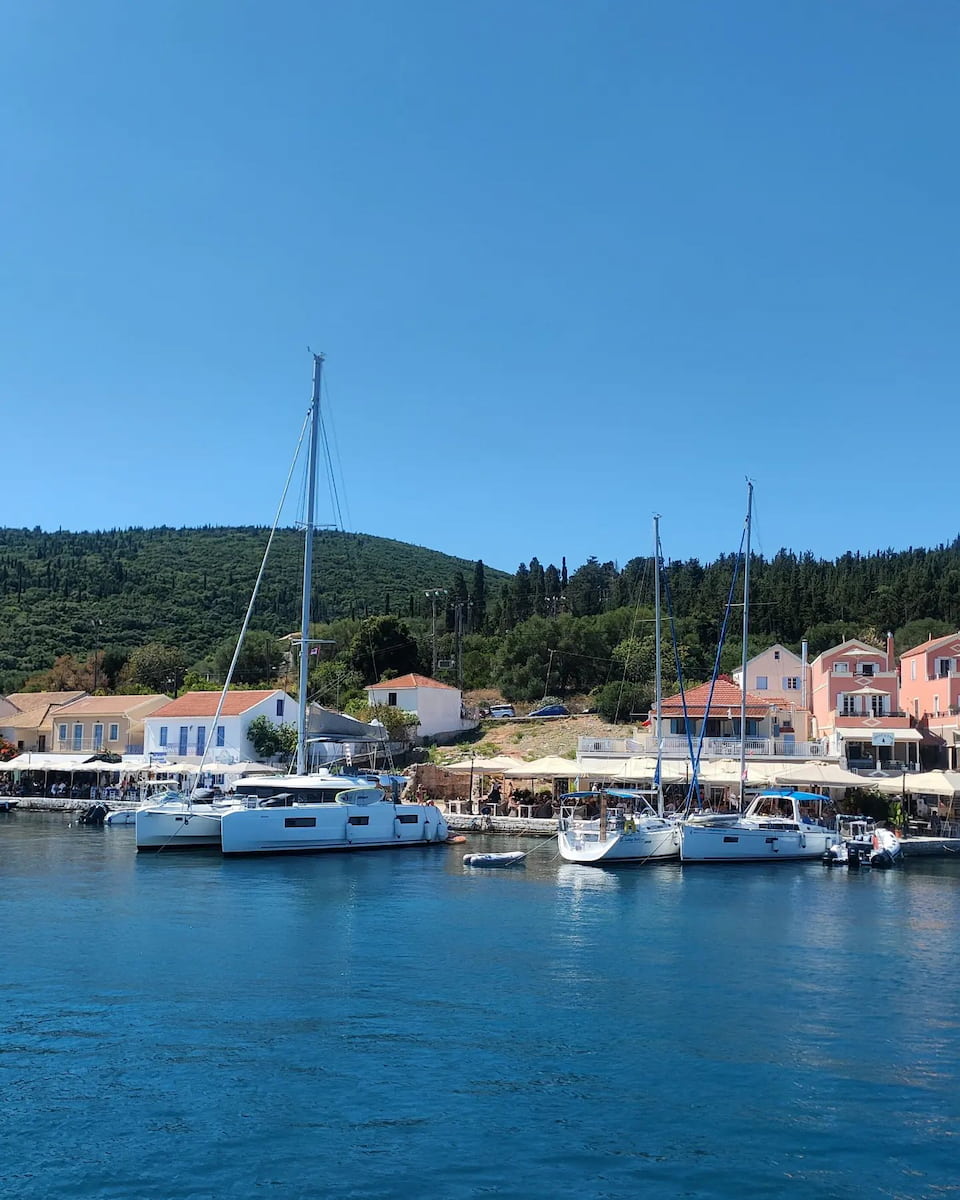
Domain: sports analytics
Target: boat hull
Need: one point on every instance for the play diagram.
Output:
(176, 827)
(314, 828)
(655, 842)
(738, 843)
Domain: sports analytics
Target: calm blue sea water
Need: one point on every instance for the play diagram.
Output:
(392, 1025)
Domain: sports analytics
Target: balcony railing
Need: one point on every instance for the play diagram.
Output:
(678, 747)
(93, 746)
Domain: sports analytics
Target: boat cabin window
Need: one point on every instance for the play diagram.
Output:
(355, 820)
(300, 822)
(408, 818)
(775, 806)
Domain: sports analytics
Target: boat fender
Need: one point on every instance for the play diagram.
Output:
(803, 841)
(876, 842)
(455, 839)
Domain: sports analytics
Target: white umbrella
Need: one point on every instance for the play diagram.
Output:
(550, 767)
(824, 774)
(480, 766)
(932, 783)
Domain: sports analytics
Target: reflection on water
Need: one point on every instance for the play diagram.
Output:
(394, 1024)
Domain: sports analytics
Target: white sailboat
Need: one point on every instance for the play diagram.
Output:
(779, 825)
(303, 812)
(626, 829)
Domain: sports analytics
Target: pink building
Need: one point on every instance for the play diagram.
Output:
(855, 698)
(930, 678)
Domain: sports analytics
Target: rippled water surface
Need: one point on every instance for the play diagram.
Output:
(396, 1025)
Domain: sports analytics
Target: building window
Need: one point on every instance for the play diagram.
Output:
(913, 668)
(792, 683)
(944, 668)
(867, 669)
(78, 737)
(221, 733)
(114, 734)
(279, 706)
(201, 738)
(878, 706)
(42, 742)
(392, 699)
(776, 656)
(761, 683)
(841, 668)
(849, 706)
(936, 706)
(98, 736)
(184, 733)
(62, 733)
(163, 735)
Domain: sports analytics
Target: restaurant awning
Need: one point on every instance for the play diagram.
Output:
(824, 774)
(54, 762)
(865, 735)
(479, 766)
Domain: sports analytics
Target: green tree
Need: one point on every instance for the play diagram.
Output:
(259, 661)
(269, 739)
(382, 647)
(156, 666)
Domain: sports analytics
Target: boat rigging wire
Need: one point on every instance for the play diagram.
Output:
(253, 600)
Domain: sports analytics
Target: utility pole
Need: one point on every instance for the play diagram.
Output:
(97, 623)
(432, 595)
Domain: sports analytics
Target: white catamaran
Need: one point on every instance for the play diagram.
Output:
(304, 812)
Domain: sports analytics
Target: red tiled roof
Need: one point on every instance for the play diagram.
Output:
(204, 704)
(928, 645)
(404, 682)
(726, 696)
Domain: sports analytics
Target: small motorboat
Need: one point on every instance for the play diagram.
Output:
(861, 842)
(509, 859)
(7, 805)
(121, 816)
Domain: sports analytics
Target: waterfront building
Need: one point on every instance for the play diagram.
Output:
(776, 674)
(97, 724)
(185, 728)
(930, 693)
(855, 699)
(439, 707)
(26, 718)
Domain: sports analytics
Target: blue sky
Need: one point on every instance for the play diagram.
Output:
(570, 264)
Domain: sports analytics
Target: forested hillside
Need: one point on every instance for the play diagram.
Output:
(182, 593)
(70, 592)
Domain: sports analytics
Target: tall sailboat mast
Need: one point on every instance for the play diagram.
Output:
(308, 567)
(743, 655)
(659, 665)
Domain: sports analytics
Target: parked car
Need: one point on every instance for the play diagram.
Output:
(502, 710)
(550, 710)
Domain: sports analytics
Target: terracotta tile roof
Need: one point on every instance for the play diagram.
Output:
(115, 705)
(204, 704)
(403, 682)
(28, 718)
(726, 696)
(929, 645)
(25, 700)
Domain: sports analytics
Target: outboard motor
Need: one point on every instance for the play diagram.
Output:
(93, 814)
(853, 858)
